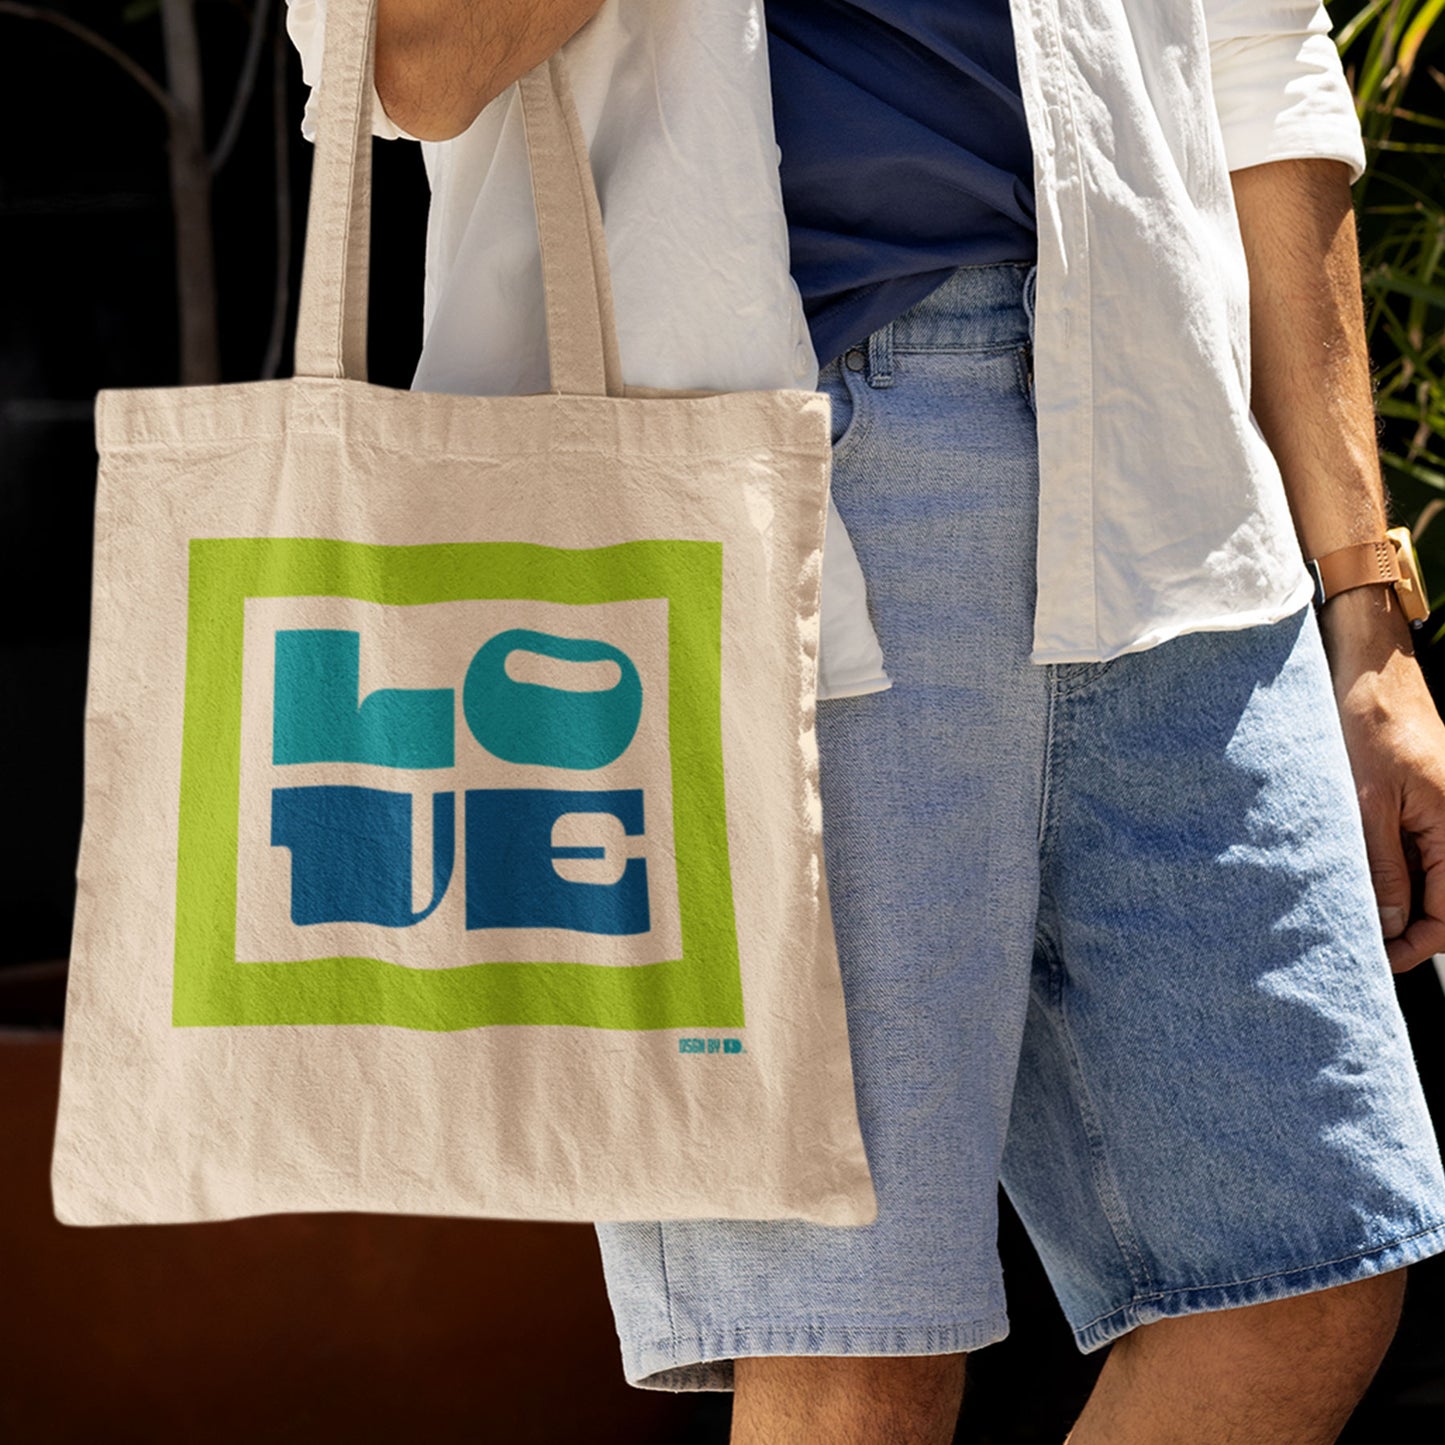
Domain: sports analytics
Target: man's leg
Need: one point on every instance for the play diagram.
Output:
(858, 1400)
(1288, 1372)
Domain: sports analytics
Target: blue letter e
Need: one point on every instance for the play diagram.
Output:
(512, 880)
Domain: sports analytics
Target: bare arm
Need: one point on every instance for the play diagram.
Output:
(1311, 395)
(438, 62)
(1311, 383)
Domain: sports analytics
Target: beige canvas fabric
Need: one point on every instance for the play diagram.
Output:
(452, 834)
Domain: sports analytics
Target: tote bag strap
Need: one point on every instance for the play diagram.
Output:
(576, 277)
(576, 280)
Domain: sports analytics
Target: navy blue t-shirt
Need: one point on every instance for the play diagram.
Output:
(905, 152)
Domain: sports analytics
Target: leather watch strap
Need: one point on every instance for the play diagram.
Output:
(1357, 565)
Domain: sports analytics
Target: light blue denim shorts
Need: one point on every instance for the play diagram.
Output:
(1106, 931)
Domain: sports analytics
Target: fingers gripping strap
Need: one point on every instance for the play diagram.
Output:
(331, 322)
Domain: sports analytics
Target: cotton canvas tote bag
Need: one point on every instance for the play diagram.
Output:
(452, 827)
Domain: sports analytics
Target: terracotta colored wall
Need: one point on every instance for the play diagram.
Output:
(313, 1328)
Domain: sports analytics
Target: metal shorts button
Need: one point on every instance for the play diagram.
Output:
(854, 358)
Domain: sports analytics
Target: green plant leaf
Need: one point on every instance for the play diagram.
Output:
(1345, 34)
(1425, 475)
(1415, 34)
(1387, 278)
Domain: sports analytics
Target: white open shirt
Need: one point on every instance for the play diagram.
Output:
(1161, 509)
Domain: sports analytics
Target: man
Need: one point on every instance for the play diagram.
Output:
(1103, 886)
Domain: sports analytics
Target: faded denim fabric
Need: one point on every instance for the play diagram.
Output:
(1106, 931)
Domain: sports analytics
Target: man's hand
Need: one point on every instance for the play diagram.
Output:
(1312, 398)
(438, 62)
(1396, 742)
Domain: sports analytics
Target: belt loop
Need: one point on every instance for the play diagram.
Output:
(880, 357)
(1031, 282)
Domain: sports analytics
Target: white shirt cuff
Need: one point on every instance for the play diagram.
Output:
(1284, 97)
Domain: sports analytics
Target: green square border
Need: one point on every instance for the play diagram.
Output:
(212, 988)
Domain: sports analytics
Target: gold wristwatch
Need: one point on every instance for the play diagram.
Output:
(1390, 562)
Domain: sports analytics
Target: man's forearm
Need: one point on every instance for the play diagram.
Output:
(1312, 398)
(438, 62)
(1310, 382)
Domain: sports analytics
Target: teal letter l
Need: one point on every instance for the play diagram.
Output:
(317, 717)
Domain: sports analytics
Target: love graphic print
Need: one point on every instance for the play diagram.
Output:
(452, 810)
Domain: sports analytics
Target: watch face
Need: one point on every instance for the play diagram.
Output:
(1410, 589)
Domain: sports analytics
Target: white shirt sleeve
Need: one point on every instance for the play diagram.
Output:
(1279, 87)
(306, 26)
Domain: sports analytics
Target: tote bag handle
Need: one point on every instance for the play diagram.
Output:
(331, 321)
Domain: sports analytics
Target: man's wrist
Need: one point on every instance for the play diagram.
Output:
(1364, 622)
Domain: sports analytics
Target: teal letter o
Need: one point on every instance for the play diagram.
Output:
(524, 722)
